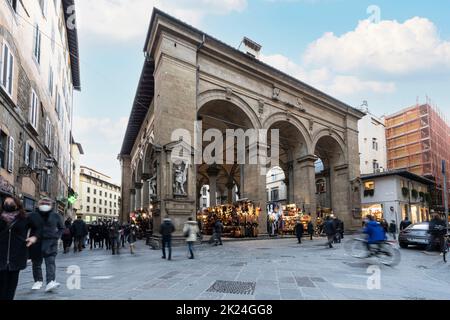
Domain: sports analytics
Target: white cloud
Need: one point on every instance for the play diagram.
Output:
(101, 139)
(324, 79)
(129, 19)
(388, 48)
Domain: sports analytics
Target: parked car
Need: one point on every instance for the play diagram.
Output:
(416, 234)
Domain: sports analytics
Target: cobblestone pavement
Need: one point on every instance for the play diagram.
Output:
(261, 269)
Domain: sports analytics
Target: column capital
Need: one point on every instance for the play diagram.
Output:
(145, 176)
(213, 171)
(138, 185)
(307, 158)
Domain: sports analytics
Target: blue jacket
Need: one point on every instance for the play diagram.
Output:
(375, 232)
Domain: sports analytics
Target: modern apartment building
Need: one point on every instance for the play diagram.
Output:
(39, 71)
(99, 196)
(418, 139)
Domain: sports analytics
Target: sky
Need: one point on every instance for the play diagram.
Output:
(388, 53)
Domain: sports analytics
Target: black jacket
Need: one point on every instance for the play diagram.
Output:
(13, 249)
(299, 229)
(167, 228)
(218, 227)
(405, 224)
(310, 228)
(51, 227)
(79, 228)
(329, 227)
(437, 227)
(392, 228)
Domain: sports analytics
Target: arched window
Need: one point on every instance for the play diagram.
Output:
(321, 186)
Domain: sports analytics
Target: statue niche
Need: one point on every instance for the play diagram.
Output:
(180, 179)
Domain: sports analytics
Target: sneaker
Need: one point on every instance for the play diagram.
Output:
(52, 286)
(37, 285)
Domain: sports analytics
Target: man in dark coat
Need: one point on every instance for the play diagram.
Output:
(114, 236)
(299, 229)
(330, 230)
(311, 229)
(79, 231)
(166, 229)
(405, 224)
(47, 248)
(218, 229)
(393, 229)
(437, 231)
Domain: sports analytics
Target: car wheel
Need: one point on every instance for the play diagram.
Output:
(403, 245)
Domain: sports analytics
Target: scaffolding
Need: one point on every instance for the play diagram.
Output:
(418, 139)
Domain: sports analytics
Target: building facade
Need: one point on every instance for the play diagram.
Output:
(418, 139)
(372, 144)
(39, 72)
(76, 151)
(276, 187)
(99, 197)
(395, 195)
(190, 76)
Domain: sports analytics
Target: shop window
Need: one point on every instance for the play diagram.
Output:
(321, 186)
(3, 143)
(369, 188)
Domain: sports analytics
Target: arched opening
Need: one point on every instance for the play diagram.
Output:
(223, 170)
(330, 183)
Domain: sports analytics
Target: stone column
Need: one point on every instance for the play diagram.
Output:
(255, 191)
(132, 200)
(138, 204)
(145, 190)
(213, 171)
(230, 187)
(304, 183)
(126, 205)
(242, 185)
(289, 181)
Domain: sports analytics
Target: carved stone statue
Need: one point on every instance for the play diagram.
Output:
(180, 178)
(153, 184)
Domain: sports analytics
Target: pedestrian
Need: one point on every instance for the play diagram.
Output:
(191, 231)
(393, 229)
(79, 231)
(330, 231)
(132, 237)
(385, 226)
(218, 229)
(67, 237)
(337, 227)
(375, 233)
(166, 229)
(299, 229)
(15, 225)
(47, 248)
(437, 231)
(114, 236)
(311, 229)
(405, 224)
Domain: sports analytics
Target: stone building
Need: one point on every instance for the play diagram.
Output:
(99, 197)
(190, 76)
(39, 71)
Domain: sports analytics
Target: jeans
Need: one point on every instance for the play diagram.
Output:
(191, 248)
(115, 245)
(167, 241)
(218, 238)
(50, 268)
(78, 244)
(330, 238)
(8, 284)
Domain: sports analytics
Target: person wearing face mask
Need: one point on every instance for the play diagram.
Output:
(47, 249)
(15, 226)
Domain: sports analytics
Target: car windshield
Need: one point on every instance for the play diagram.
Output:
(420, 226)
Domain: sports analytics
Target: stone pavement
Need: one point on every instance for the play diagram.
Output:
(262, 270)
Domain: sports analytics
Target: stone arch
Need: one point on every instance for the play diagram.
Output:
(333, 135)
(221, 95)
(281, 117)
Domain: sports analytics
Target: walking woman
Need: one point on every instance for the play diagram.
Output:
(191, 231)
(132, 237)
(14, 241)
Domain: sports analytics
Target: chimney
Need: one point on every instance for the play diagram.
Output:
(252, 48)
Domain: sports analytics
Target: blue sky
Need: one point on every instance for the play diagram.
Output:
(389, 63)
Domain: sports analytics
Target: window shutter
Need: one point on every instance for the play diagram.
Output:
(4, 64)
(11, 155)
(27, 154)
(11, 73)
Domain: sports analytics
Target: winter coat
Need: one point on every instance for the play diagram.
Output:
(392, 228)
(437, 227)
(114, 230)
(375, 232)
(132, 235)
(218, 227)
(167, 228)
(13, 249)
(299, 229)
(329, 228)
(79, 229)
(191, 228)
(405, 224)
(52, 228)
(310, 228)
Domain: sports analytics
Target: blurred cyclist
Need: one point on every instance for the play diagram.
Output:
(375, 233)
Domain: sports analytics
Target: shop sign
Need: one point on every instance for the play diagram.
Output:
(5, 186)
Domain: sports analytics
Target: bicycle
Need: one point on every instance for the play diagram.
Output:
(384, 251)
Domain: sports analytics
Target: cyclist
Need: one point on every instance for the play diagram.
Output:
(437, 232)
(375, 233)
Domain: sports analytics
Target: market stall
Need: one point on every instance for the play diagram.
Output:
(239, 220)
